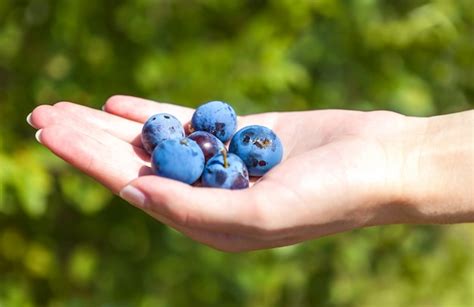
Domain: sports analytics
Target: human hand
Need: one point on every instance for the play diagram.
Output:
(341, 170)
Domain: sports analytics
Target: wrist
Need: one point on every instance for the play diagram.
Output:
(433, 179)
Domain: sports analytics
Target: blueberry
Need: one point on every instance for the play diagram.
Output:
(215, 117)
(160, 127)
(210, 145)
(225, 171)
(181, 160)
(259, 147)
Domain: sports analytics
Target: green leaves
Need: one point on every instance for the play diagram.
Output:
(25, 173)
(86, 195)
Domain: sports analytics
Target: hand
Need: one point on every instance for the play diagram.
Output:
(341, 170)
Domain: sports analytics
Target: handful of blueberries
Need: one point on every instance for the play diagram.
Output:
(253, 150)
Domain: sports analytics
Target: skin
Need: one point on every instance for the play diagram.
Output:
(341, 170)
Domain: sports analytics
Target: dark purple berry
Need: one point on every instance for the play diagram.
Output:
(210, 145)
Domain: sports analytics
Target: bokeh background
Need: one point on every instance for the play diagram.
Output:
(66, 241)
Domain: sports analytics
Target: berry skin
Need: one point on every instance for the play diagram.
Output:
(181, 160)
(210, 145)
(259, 147)
(217, 118)
(226, 171)
(160, 127)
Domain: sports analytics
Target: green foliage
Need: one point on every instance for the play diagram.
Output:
(65, 241)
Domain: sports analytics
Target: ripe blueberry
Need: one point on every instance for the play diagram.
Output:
(217, 118)
(225, 171)
(259, 147)
(160, 127)
(181, 160)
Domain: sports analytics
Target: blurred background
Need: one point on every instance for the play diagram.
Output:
(66, 241)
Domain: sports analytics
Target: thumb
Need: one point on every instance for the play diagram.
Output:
(195, 207)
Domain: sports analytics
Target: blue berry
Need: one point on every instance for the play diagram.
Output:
(160, 127)
(181, 160)
(210, 145)
(259, 147)
(217, 118)
(225, 171)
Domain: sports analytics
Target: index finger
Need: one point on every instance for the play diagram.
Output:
(139, 109)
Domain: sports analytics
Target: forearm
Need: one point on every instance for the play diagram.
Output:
(437, 171)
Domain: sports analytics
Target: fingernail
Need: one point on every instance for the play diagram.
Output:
(28, 120)
(38, 135)
(133, 196)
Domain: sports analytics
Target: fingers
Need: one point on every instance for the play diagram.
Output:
(105, 158)
(74, 115)
(139, 110)
(45, 115)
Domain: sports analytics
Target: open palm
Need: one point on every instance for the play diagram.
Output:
(336, 170)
